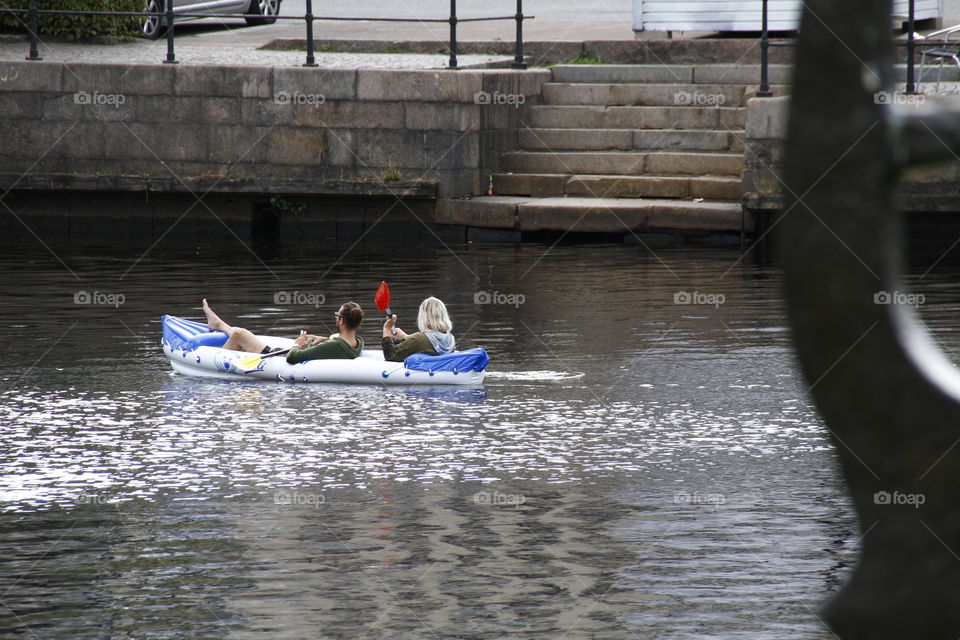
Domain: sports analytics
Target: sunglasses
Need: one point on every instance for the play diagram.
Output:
(336, 314)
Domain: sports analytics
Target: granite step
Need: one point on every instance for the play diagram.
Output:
(646, 95)
(660, 117)
(540, 139)
(617, 186)
(745, 74)
(595, 215)
(624, 163)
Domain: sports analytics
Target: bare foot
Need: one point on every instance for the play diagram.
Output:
(214, 323)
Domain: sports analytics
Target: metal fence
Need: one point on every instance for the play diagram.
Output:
(168, 16)
(910, 44)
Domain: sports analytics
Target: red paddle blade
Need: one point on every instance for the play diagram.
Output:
(383, 297)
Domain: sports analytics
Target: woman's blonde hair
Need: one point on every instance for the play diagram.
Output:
(433, 316)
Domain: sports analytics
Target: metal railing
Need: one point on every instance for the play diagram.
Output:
(169, 17)
(910, 43)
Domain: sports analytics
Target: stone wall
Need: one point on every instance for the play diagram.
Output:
(197, 129)
(932, 188)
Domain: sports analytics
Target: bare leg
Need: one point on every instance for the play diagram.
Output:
(237, 339)
(214, 323)
(243, 340)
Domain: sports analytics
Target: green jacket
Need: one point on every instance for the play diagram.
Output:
(397, 350)
(333, 349)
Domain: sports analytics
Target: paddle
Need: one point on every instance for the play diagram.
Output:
(382, 298)
(252, 362)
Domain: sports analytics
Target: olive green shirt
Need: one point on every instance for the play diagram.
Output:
(395, 350)
(332, 349)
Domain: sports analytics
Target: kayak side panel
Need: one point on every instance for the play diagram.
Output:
(213, 362)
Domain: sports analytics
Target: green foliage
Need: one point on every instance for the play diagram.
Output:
(296, 207)
(75, 27)
(585, 58)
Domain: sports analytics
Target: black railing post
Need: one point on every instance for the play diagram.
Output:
(911, 48)
(171, 56)
(764, 91)
(518, 61)
(311, 60)
(34, 53)
(453, 34)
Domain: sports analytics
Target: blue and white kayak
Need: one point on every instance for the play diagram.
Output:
(194, 350)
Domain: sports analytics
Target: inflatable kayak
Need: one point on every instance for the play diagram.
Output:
(194, 350)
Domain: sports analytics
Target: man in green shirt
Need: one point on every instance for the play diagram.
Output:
(344, 345)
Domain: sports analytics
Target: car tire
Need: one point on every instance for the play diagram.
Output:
(263, 12)
(152, 27)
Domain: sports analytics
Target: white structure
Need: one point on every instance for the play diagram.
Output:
(725, 15)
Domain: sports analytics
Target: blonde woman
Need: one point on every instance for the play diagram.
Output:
(434, 337)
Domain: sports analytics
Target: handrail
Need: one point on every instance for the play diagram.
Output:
(913, 40)
(168, 14)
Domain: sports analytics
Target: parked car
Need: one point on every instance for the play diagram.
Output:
(256, 12)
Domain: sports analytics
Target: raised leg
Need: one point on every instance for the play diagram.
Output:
(214, 323)
(237, 339)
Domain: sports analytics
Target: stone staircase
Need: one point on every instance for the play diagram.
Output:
(634, 147)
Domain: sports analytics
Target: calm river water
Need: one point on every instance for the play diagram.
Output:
(633, 467)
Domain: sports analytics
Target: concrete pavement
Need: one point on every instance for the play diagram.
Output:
(556, 20)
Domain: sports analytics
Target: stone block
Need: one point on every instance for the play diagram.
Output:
(529, 184)
(497, 212)
(610, 73)
(187, 110)
(767, 118)
(76, 140)
(17, 106)
(739, 74)
(694, 163)
(696, 216)
(716, 188)
(244, 82)
(442, 116)
(639, 95)
(695, 140)
(577, 163)
(20, 75)
(351, 115)
(167, 109)
(218, 111)
(237, 144)
(158, 142)
(118, 79)
(455, 183)
(418, 85)
(416, 149)
(595, 215)
(576, 139)
(731, 119)
(267, 112)
(932, 173)
(551, 52)
(629, 186)
(332, 84)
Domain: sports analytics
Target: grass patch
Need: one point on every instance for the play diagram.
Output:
(585, 58)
